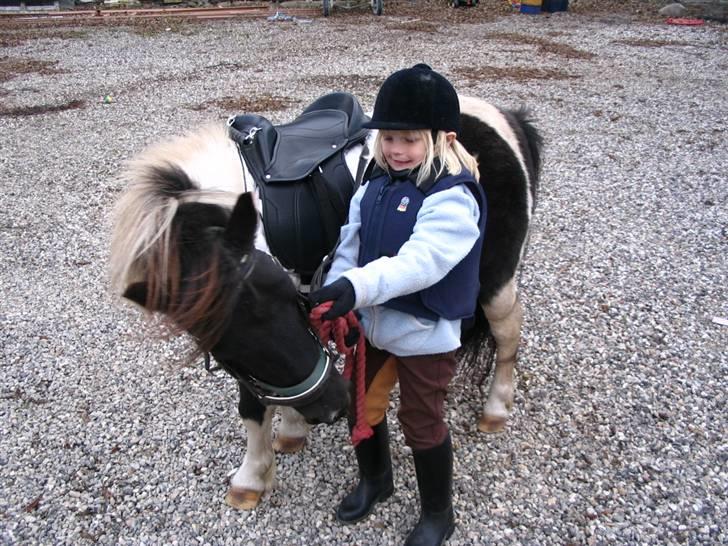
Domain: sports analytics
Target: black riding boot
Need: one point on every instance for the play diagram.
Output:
(375, 477)
(434, 480)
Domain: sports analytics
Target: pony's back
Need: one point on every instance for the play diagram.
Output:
(507, 147)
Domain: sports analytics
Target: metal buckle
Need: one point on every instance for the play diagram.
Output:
(251, 135)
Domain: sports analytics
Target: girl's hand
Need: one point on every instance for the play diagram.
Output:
(341, 292)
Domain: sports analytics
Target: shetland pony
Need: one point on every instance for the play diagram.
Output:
(188, 244)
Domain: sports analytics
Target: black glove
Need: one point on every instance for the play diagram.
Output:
(341, 292)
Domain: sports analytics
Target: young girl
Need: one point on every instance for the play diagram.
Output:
(408, 261)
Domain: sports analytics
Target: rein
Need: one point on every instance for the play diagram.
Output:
(354, 360)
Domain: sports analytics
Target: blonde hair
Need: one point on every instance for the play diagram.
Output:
(453, 156)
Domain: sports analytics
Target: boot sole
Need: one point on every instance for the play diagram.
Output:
(442, 542)
(379, 498)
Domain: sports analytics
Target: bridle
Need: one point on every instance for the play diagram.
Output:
(303, 392)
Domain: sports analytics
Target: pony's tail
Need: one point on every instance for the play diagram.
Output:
(477, 351)
(141, 246)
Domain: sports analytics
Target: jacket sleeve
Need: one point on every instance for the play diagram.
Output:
(347, 253)
(445, 231)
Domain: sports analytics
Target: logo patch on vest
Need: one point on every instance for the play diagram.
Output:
(403, 204)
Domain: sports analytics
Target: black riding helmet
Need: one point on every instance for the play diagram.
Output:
(416, 98)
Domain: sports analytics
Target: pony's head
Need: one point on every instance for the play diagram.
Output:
(203, 273)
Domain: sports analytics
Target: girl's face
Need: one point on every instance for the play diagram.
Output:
(403, 149)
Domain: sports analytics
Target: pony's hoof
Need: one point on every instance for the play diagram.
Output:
(288, 444)
(243, 499)
(491, 424)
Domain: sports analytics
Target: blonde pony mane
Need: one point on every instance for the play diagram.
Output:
(202, 166)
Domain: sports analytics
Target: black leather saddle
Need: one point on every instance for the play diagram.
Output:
(303, 179)
(281, 153)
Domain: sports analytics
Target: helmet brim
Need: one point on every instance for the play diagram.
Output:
(394, 125)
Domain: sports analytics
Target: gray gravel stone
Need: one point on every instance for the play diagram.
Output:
(618, 433)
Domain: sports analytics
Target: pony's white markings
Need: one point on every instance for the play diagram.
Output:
(490, 115)
(505, 316)
(292, 431)
(258, 469)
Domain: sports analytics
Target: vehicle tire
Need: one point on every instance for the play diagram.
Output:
(327, 7)
(377, 7)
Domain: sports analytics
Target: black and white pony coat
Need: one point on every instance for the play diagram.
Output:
(197, 178)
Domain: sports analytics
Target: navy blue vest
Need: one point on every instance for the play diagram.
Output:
(388, 214)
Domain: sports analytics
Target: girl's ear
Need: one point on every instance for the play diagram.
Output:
(450, 136)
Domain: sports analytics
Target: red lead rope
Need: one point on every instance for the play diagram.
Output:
(354, 360)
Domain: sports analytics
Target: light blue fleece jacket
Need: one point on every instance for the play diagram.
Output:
(445, 231)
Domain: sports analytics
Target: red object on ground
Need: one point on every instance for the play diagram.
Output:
(684, 21)
(354, 360)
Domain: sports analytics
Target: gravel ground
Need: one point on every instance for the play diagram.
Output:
(618, 434)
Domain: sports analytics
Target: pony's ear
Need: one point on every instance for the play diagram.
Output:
(243, 223)
(137, 292)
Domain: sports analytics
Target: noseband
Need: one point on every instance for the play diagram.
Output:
(296, 395)
(301, 394)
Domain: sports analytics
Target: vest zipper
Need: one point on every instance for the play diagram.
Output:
(381, 193)
(375, 221)
(379, 214)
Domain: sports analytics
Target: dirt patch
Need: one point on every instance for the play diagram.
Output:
(543, 45)
(181, 78)
(18, 31)
(639, 10)
(414, 25)
(152, 26)
(353, 83)
(11, 67)
(261, 103)
(650, 43)
(441, 14)
(491, 73)
(13, 38)
(22, 111)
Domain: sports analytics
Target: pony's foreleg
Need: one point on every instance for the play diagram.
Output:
(255, 476)
(292, 431)
(505, 316)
